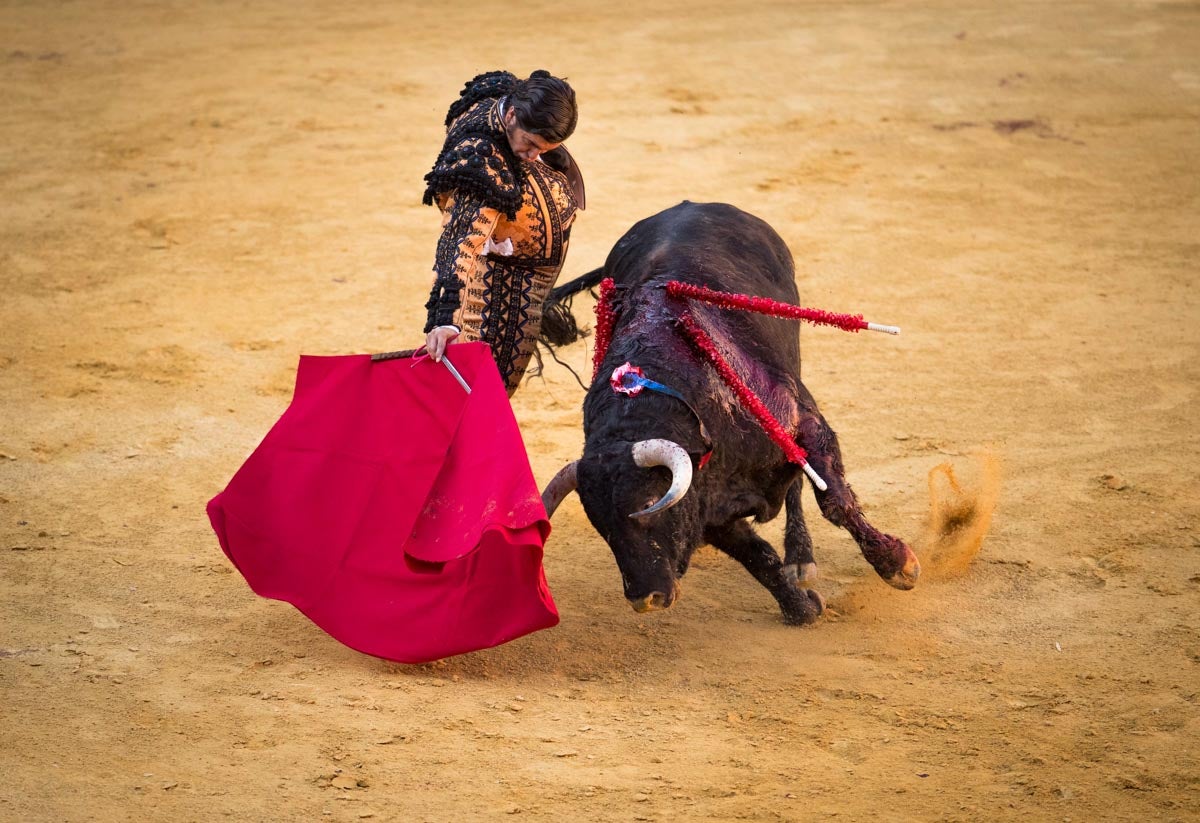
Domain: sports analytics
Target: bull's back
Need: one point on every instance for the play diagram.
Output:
(723, 248)
(712, 244)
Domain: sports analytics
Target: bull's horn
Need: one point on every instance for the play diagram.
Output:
(647, 453)
(563, 483)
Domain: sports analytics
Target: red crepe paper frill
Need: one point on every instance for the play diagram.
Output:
(605, 317)
(765, 305)
(705, 345)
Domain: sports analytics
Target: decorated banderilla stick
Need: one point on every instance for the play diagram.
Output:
(705, 345)
(774, 308)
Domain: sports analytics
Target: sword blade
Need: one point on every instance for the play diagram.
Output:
(446, 362)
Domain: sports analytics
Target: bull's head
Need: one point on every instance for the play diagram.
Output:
(626, 491)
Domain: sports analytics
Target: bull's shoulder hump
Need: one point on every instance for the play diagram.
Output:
(698, 217)
(692, 241)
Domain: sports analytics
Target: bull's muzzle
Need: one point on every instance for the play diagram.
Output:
(655, 601)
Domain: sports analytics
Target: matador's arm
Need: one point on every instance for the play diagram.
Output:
(460, 259)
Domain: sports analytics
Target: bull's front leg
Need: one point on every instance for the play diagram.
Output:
(740, 542)
(798, 562)
(891, 558)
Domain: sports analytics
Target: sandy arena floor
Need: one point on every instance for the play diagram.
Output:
(195, 193)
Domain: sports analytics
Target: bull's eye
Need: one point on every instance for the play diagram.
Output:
(645, 522)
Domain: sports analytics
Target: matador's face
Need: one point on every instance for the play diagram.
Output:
(526, 145)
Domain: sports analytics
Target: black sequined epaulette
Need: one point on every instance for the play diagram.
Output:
(476, 166)
(477, 160)
(490, 84)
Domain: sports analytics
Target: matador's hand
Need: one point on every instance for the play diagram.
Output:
(437, 340)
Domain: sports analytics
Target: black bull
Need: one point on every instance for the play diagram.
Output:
(640, 450)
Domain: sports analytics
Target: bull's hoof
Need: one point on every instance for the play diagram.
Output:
(800, 575)
(808, 612)
(906, 578)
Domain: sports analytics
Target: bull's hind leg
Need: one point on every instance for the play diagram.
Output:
(740, 542)
(798, 562)
(892, 559)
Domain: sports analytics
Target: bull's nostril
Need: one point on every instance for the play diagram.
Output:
(655, 601)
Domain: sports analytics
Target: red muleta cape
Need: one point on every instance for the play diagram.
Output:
(393, 509)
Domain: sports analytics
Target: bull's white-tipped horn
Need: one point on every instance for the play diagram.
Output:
(647, 453)
(563, 483)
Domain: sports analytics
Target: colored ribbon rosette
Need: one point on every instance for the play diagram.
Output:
(633, 385)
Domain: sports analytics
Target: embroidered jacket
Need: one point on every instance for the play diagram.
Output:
(505, 229)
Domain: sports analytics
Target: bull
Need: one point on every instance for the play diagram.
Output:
(663, 474)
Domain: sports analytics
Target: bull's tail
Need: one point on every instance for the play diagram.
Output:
(559, 326)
